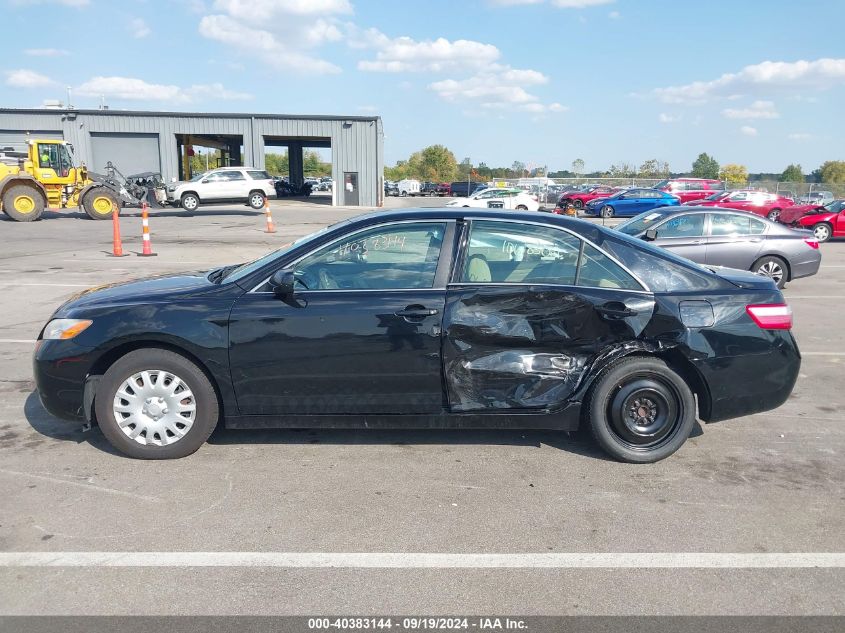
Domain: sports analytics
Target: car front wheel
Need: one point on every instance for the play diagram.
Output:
(640, 410)
(772, 267)
(773, 215)
(823, 232)
(190, 202)
(156, 404)
(578, 204)
(607, 211)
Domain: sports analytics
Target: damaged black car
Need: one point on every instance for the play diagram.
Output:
(435, 318)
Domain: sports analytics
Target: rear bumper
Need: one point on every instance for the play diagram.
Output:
(806, 266)
(753, 383)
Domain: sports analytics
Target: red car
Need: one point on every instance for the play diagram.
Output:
(688, 189)
(579, 199)
(766, 204)
(826, 222)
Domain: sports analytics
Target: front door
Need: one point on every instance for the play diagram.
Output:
(684, 235)
(361, 335)
(530, 309)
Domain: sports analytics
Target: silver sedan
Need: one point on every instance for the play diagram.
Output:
(734, 239)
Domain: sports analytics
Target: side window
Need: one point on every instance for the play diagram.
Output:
(387, 257)
(506, 252)
(215, 177)
(729, 224)
(597, 270)
(740, 196)
(682, 226)
(232, 175)
(256, 174)
(48, 156)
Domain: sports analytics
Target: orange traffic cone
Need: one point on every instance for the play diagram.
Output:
(117, 243)
(271, 228)
(147, 250)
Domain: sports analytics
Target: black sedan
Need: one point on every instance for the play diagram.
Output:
(426, 319)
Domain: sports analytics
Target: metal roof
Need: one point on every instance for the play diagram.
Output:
(231, 115)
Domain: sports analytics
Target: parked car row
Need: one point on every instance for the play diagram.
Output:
(412, 187)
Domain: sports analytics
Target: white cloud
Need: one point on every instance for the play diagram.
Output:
(763, 78)
(281, 33)
(45, 52)
(404, 54)
(139, 28)
(799, 136)
(497, 88)
(747, 130)
(614, 15)
(757, 110)
(668, 118)
(23, 78)
(133, 89)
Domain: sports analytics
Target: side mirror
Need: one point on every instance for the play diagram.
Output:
(281, 283)
(650, 235)
(205, 181)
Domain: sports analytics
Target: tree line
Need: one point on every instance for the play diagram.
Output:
(437, 163)
(276, 164)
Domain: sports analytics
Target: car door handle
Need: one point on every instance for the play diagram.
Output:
(616, 311)
(416, 313)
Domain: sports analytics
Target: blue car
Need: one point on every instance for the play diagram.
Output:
(630, 203)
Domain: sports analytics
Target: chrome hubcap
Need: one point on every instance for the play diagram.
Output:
(771, 269)
(822, 232)
(154, 407)
(257, 201)
(190, 203)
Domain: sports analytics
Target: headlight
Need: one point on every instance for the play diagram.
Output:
(171, 188)
(63, 329)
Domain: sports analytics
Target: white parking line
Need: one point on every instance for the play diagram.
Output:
(358, 560)
(17, 340)
(822, 353)
(17, 283)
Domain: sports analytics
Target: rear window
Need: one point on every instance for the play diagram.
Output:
(257, 174)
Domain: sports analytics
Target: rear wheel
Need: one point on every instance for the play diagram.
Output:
(23, 203)
(640, 410)
(772, 267)
(578, 204)
(156, 404)
(607, 211)
(823, 232)
(256, 200)
(99, 203)
(521, 207)
(773, 215)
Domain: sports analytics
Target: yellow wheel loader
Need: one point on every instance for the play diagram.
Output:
(46, 176)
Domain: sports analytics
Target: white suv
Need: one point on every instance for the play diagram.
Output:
(226, 184)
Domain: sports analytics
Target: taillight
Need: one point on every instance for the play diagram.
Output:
(771, 316)
(811, 242)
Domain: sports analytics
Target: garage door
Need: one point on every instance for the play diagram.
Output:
(129, 153)
(16, 139)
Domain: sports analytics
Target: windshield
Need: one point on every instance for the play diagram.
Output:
(643, 221)
(716, 196)
(247, 269)
(662, 184)
(197, 177)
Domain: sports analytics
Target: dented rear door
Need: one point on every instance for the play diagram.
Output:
(528, 345)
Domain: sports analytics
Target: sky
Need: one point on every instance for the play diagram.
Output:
(539, 81)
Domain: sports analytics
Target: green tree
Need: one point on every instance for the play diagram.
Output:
(705, 167)
(578, 166)
(436, 163)
(313, 164)
(734, 174)
(621, 170)
(277, 164)
(654, 168)
(518, 169)
(792, 173)
(833, 171)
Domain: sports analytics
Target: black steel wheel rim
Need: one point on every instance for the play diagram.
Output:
(645, 411)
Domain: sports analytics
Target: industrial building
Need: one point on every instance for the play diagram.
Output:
(162, 142)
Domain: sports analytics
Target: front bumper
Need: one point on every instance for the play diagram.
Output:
(60, 369)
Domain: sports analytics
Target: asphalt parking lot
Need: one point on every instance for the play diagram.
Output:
(769, 483)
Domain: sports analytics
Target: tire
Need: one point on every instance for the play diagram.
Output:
(256, 200)
(404, 194)
(606, 211)
(190, 202)
(521, 207)
(773, 215)
(649, 388)
(23, 203)
(578, 204)
(772, 267)
(99, 203)
(823, 232)
(146, 368)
